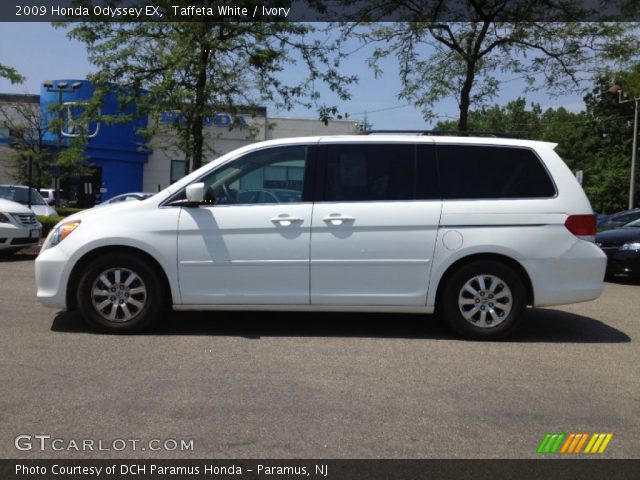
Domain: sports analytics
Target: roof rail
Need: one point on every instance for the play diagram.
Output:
(440, 133)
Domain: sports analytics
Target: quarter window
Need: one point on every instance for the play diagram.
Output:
(477, 172)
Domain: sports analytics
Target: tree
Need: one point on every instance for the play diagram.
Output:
(192, 69)
(458, 49)
(611, 125)
(11, 74)
(27, 132)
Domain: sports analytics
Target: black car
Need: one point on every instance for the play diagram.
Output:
(622, 247)
(618, 219)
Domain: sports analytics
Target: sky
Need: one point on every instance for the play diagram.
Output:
(41, 52)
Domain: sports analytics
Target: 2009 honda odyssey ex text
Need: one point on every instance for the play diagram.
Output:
(475, 229)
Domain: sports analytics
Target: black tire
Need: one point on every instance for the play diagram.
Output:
(502, 312)
(142, 309)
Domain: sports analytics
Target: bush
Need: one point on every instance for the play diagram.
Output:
(48, 223)
(66, 211)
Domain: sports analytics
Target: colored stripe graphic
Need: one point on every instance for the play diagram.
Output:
(543, 443)
(572, 443)
(598, 442)
(581, 443)
(551, 442)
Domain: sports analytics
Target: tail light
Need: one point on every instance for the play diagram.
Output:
(582, 226)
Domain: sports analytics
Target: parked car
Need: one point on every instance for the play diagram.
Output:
(475, 229)
(20, 194)
(126, 197)
(622, 247)
(618, 219)
(19, 227)
(49, 196)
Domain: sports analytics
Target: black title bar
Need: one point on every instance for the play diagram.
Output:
(316, 10)
(546, 469)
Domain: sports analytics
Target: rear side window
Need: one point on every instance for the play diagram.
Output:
(476, 172)
(375, 172)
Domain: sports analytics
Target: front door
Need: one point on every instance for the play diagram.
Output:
(250, 244)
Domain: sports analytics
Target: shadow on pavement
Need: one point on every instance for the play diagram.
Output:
(539, 325)
(622, 280)
(21, 256)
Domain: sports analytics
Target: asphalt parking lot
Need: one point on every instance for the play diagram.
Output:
(257, 385)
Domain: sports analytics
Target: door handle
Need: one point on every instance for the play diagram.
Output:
(337, 219)
(286, 221)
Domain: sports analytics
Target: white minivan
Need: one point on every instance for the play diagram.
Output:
(475, 229)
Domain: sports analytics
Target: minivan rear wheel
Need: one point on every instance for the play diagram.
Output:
(484, 300)
(119, 293)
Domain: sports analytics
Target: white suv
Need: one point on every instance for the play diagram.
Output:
(473, 228)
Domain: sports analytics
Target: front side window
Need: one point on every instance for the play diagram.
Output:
(485, 172)
(272, 175)
(370, 172)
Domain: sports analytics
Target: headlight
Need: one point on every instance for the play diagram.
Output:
(60, 232)
(631, 246)
(4, 218)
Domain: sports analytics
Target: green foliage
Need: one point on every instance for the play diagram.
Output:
(11, 74)
(48, 223)
(66, 211)
(629, 80)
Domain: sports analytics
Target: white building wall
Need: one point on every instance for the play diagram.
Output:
(297, 127)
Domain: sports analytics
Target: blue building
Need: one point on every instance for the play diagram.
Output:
(116, 152)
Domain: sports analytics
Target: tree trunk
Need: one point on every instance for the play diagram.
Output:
(200, 103)
(465, 97)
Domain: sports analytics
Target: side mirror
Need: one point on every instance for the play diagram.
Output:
(195, 193)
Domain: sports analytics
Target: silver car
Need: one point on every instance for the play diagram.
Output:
(20, 194)
(19, 226)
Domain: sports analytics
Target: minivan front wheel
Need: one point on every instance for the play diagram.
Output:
(119, 293)
(484, 300)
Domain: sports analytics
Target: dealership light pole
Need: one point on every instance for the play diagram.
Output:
(60, 88)
(617, 89)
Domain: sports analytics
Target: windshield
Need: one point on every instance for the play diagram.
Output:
(635, 223)
(21, 195)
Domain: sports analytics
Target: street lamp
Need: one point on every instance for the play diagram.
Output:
(60, 88)
(617, 90)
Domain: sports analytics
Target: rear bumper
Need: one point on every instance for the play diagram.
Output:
(575, 276)
(52, 275)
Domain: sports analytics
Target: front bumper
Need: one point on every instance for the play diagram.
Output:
(623, 262)
(13, 238)
(52, 275)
